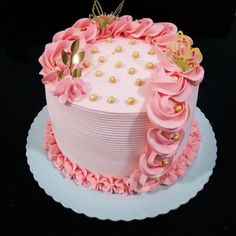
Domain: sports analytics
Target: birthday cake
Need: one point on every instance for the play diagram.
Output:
(121, 96)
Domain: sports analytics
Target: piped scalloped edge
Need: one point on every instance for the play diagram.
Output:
(115, 218)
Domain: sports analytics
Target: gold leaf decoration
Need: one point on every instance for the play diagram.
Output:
(65, 58)
(81, 56)
(75, 47)
(77, 72)
(60, 75)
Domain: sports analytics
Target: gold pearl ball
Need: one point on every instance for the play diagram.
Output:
(175, 78)
(175, 137)
(178, 108)
(135, 54)
(93, 97)
(95, 50)
(130, 100)
(118, 49)
(111, 99)
(131, 71)
(102, 59)
(86, 63)
(98, 73)
(109, 39)
(165, 163)
(112, 79)
(132, 41)
(118, 64)
(150, 65)
(151, 51)
(139, 82)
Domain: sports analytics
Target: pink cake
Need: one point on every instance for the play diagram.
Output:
(121, 96)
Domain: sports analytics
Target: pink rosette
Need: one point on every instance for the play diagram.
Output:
(164, 143)
(68, 169)
(117, 27)
(161, 34)
(136, 29)
(80, 176)
(51, 58)
(141, 183)
(92, 181)
(87, 28)
(171, 83)
(161, 110)
(58, 161)
(69, 89)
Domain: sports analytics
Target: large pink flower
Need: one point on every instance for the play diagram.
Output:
(166, 113)
(161, 34)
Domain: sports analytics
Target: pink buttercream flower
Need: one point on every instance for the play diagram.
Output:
(68, 168)
(92, 181)
(58, 161)
(117, 27)
(141, 183)
(165, 113)
(87, 28)
(137, 28)
(172, 83)
(69, 89)
(80, 176)
(164, 143)
(161, 34)
(51, 58)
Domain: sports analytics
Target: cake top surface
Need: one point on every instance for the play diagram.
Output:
(117, 74)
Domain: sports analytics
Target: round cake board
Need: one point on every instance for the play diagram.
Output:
(113, 206)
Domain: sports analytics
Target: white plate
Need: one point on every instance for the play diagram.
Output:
(118, 207)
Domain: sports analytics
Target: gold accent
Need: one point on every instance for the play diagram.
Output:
(132, 41)
(112, 79)
(93, 97)
(175, 137)
(151, 51)
(98, 73)
(130, 100)
(102, 19)
(183, 54)
(149, 65)
(175, 78)
(158, 179)
(135, 54)
(139, 82)
(86, 63)
(131, 71)
(178, 108)
(165, 163)
(109, 40)
(118, 64)
(102, 59)
(118, 49)
(94, 50)
(111, 100)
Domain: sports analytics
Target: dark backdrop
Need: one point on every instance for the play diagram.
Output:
(27, 27)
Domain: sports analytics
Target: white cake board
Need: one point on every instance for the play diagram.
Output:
(118, 207)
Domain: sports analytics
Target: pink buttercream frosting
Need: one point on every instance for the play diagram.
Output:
(151, 172)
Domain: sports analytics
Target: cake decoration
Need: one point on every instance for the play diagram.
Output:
(141, 134)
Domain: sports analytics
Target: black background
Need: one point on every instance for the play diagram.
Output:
(26, 28)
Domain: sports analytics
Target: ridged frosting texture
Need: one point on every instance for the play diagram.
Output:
(96, 181)
(144, 144)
